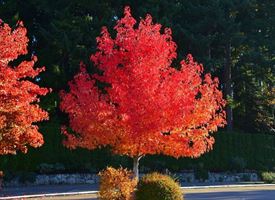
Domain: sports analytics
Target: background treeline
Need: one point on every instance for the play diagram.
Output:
(234, 151)
(234, 39)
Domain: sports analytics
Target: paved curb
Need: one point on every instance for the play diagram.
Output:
(95, 192)
(227, 186)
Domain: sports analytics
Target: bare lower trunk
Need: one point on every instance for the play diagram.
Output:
(135, 166)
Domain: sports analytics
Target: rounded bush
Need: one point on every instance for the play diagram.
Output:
(157, 186)
(268, 177)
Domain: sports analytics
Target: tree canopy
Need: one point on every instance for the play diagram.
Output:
(18, 95)
(147, 106)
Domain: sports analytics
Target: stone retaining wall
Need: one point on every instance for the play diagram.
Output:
(219, 177)
(184, 178)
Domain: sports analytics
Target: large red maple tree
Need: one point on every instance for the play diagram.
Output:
(147, 106)
(18, 95)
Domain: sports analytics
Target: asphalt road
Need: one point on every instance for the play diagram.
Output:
(260, 192)
(239, 195)
(45, 189)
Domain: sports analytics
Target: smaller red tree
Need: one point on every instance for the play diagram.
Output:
(147, 107)
(18, 95)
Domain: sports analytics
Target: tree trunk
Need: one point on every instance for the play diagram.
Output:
(135, 166)
(228, 85)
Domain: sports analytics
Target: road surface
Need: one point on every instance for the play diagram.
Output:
(258, 192)
(240, 195)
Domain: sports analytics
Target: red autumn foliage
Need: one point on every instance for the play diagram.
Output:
(148, 107)
(18, 95)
